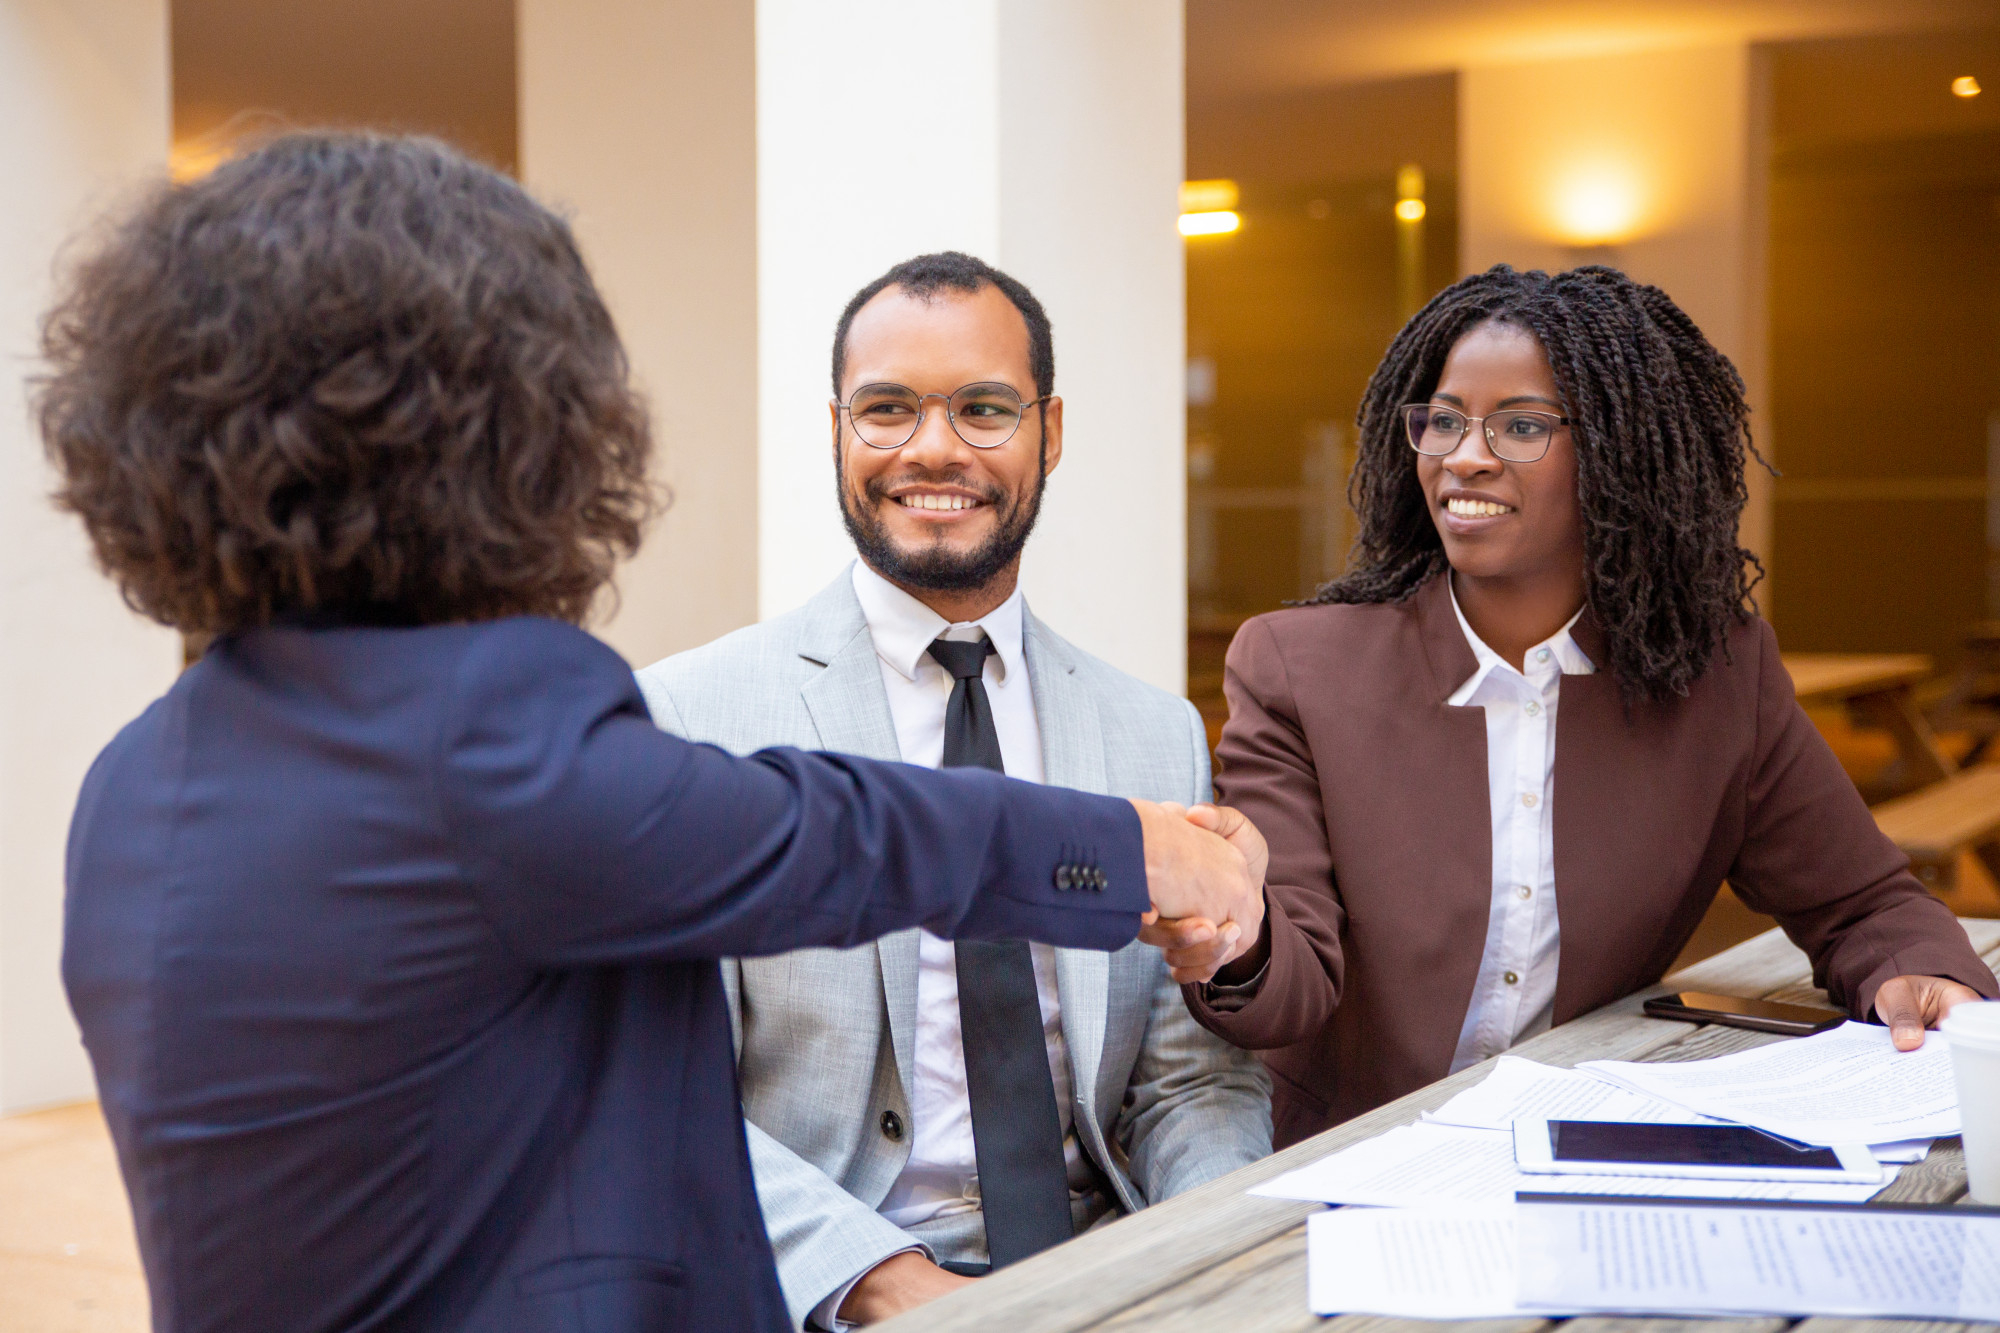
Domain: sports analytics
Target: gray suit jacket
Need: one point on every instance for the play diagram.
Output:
(825, 1037)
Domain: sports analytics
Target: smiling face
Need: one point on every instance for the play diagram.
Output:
(1504, 522)
(938, 514)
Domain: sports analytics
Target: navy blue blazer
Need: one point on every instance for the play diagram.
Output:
(393, 952)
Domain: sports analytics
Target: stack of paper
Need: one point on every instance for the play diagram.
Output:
(1848, 1085)
(1567, 1256)
(1437, 1237)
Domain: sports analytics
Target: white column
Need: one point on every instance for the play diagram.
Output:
(638, 117)
(84, 96)
(1044, 136)
(1656, 162)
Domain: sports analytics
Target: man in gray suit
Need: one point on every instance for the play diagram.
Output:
(920, 1111)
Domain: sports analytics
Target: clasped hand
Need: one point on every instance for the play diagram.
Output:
(1205, 873)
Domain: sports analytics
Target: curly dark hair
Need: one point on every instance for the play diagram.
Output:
(1662, 438)
(344, 374)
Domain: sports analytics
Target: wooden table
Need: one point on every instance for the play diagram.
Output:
(1876, 690)
(1218, 1259)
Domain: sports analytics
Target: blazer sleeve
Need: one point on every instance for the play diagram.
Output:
(1265, 768)
(590, 837)
(1813, 858)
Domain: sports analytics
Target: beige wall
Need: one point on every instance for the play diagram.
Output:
(638, 118)
(1654, 162)
(443, 67)
(1046, 137)
(83, 93)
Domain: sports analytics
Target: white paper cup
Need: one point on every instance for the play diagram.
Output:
(1973, 1029)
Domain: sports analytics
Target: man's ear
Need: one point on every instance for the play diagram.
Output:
(1051, 434)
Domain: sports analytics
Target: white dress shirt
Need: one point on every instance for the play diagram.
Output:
(942, 1174)
(1516, 991)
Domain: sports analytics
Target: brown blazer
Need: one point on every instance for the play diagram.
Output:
(1372, 792)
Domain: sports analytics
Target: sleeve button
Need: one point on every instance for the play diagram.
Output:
(1062, 876)
(892, 1127)
(1103, 880)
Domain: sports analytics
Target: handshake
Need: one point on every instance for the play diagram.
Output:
(1205, 874)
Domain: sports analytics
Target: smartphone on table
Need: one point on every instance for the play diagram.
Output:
(1687, 1152)
(1793, 1020)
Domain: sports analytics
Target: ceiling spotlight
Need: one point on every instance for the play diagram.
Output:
(1213, 196)
(1965, 86)
(1219, 222)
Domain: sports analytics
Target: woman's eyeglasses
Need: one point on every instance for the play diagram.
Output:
(1517, 435)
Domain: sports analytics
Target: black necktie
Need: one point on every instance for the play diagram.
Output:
(1017, 1138)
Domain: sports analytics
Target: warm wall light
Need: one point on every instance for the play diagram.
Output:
(1965, 86)
(1215, 222)
(1410, 210)
(1598, 206)
(1208, 196)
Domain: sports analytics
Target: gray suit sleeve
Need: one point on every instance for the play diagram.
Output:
(823, 1236)
(1196, 1107)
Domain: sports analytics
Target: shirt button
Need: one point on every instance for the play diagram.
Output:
(1523, 892)
(1512, 978)
(1530, 800)
(892, 1126)
(1533, 709)
(1541, 654)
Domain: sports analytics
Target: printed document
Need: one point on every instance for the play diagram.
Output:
(1437, 1166)
(1847, 1085)
(1654, 1255)
(1520, 1089)
(1420, 1263)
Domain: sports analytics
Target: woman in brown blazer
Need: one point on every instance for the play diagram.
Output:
(1549, 482)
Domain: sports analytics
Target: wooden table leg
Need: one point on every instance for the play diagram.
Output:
(1895, 711)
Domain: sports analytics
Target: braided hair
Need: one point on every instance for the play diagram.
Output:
(1662, 437)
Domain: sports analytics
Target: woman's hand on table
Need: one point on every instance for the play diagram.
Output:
(1909, 1004)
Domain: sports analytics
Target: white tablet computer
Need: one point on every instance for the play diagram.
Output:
(1687, 1152)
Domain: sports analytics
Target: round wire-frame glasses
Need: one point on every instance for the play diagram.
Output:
(1517, 435)
(985, 415)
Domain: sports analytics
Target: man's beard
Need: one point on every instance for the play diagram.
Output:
(937, 566)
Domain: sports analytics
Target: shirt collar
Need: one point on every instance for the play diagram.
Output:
(903, 628)
(1569, 658)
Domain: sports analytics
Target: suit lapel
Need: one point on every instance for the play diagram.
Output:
(1072, 741)
(1083, 986)
(850, 712)
(1449, 774)
(1072, 756)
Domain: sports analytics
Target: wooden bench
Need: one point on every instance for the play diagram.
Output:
(1935, 824)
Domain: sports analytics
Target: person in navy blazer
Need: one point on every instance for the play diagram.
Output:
(391, 927)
